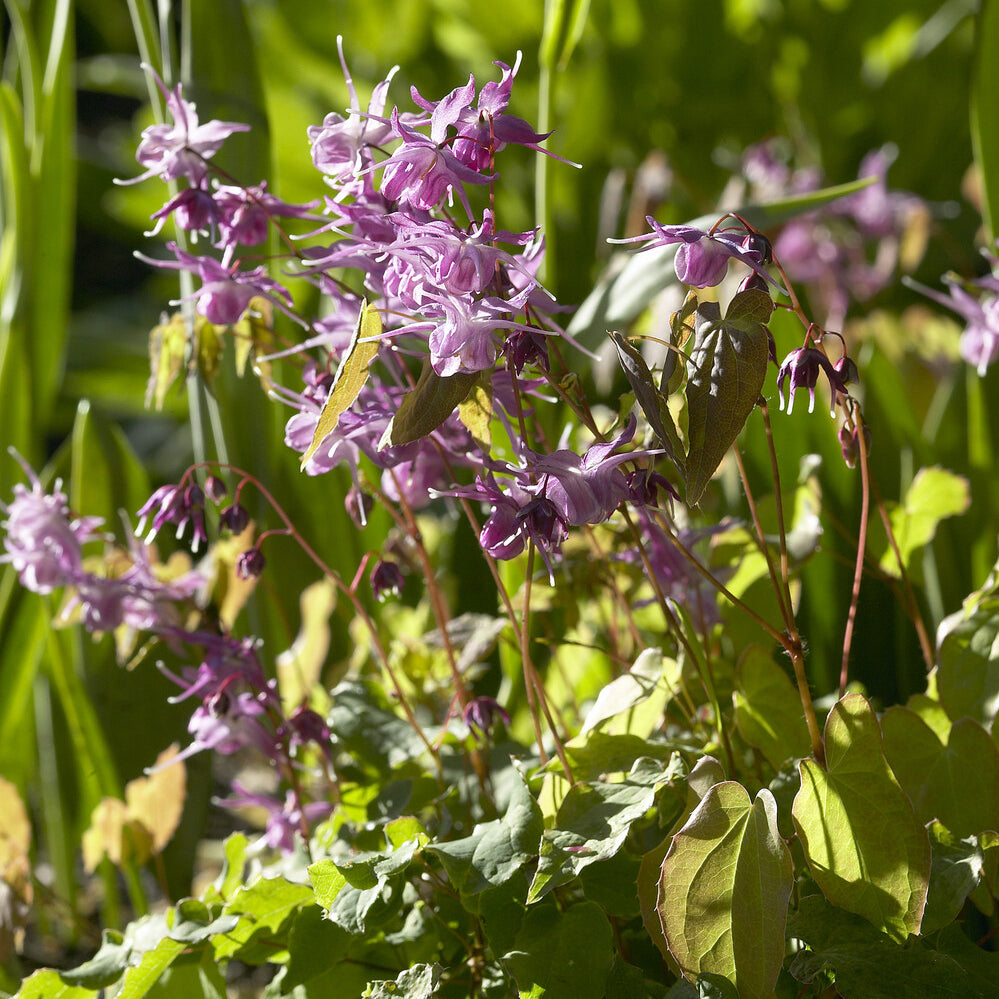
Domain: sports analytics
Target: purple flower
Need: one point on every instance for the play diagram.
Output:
(42, 540)
(702, 258)
(175, 505)
(285, 820)
(423, 171)
(585, 489)
(225, 291)
(181, 149)
(480, 713)
(250, 564)
(340, 145)
(386, 580)
(485, 129)
(802, 367)
(979, 344)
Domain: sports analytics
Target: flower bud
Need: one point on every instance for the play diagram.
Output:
(234, 518)
(387, 580)
(250, 563)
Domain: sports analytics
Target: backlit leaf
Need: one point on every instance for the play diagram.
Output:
(968, 674)
(724, 891)
(350, 376)
(956, 781)
(865, 846)
(476, 412)
(768, 710)
(934, 495)
(725, 371)
(265, 908)
(157, 801)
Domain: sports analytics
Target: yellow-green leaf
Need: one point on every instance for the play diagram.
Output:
(350, 376)
(476, 413)
(724, 891)
(768, 710)
(954, 780)
(863, 841)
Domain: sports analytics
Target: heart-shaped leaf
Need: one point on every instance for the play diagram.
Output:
(864, 844)
(724, 889)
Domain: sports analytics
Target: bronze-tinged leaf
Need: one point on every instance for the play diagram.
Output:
(210, 346)
(115, 834)
(725, 372)
(427, 406)
(350, 376)
(254, 335)
(651, 400)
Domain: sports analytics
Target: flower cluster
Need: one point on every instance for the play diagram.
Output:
(44, 543)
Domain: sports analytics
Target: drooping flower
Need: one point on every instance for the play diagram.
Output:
(340, 145)
(801, 368)
(702, 258)
(979, 344)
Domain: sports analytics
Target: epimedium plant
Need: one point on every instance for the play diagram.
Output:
(605, 787)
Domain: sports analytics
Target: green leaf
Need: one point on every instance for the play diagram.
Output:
(315, 945)
(233, 867)
(864, 844)
(106, 966)
(626, 691)
(706, 773)
(562, 955)
(594, 819)
(350, 376)
(957, 869)
(48, 985)
(350, 891)
(495, 850)
(367, 728)
(427, 406)
(868, 964)
(651, 400)
(934, 495)
(724, 890)
(265, 910)
(968, 674)
(418, 982)
(194, 922)
(768, 710)
(956, 781)
(141, 979)
(726, 367)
